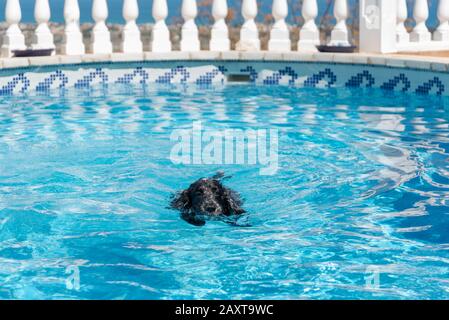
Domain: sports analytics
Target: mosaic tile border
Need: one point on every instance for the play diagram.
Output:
(296, 73)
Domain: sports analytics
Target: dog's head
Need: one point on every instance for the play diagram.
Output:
(207, 197)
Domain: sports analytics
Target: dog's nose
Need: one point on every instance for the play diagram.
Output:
(210, 209)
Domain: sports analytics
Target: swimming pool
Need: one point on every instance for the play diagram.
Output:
(358, 208)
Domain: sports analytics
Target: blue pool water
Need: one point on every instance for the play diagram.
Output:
(359, 208)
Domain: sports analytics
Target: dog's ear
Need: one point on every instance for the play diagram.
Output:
(234, 202)
(181, 201)
(220, 176)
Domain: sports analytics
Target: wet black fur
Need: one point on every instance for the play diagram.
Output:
(207, 198)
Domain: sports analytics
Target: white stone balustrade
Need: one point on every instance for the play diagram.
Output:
(340, 33)
(442, 32)
(309, 35)
(161, 35)
(249, 34)
(420, 38)
(189, 33)
(101, 37)
(13, 38)
(280, 34)
(421, 13)
(219, 40)
(43, 38)
(402, 35)
(73, 38)
(131, 42)
(385, 26)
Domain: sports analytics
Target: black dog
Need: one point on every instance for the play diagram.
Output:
(205, 199)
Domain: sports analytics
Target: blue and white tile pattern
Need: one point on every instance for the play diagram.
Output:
(302, 74)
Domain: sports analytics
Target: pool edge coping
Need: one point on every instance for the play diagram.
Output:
(424, 63)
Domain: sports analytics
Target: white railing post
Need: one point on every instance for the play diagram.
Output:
(249, 35)
(219, 40)
(442, 32)
(43, 38)
(309, 36)
(73, 38)
(402, 35)
(378, 21)
(421, 13)
(13, 38)
(189, 33)
(280, 35)
(101, 38)
(161, 35)
(340, 33)
(131, 42)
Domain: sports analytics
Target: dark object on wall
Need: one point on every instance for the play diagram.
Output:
(32, 53)
(337, 49)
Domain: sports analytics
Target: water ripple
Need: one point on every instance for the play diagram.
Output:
(362, 191)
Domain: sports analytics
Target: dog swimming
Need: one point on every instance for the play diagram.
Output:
(206, 199)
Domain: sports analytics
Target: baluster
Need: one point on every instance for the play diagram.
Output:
(442, 32)
(219, 40)
(131, 42)
(309, 36)
(340, 33)
(279, 35)
(402, 34)
(43, 38)
(13, 38)
(73, 38)
(189, 33)
(101, 38)
(160, 35)
(249, 35)
(421, 13)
